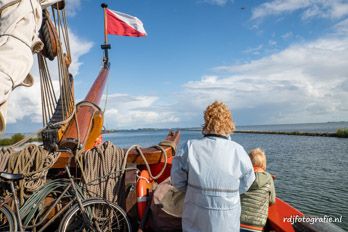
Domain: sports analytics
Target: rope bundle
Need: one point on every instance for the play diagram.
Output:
(5, 154)
(33, 162)
(103, 166)
(101, 169)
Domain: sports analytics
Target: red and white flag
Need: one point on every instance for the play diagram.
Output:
(122, 24)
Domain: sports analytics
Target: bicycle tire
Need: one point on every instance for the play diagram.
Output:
(111, 217)
(8, 221)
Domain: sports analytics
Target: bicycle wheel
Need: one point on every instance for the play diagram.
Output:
(99, 215)
(7, 219)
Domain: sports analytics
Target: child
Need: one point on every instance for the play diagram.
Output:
(256, 200)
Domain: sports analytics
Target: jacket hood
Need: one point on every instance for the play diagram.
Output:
(261, 179)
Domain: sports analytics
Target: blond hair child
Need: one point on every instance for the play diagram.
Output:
(261, 194)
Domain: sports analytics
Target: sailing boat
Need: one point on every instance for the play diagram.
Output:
(72, 129)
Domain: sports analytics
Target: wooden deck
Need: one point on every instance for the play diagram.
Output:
(153, 155)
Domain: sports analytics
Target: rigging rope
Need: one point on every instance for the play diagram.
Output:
(56, 112)
(48, 96)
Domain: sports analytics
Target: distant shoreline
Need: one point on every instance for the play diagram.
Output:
(321, 134)
(338, 126)
(340, 133)
(8, 134)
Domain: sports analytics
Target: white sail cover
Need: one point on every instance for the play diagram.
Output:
(20, 21)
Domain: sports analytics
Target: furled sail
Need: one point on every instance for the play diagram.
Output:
(20, 22)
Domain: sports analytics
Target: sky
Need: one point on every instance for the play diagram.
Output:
(271, 62)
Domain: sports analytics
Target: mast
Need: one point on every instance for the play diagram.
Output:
(86, 126)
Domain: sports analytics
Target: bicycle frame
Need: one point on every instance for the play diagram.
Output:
(43, 223)
(18, 218)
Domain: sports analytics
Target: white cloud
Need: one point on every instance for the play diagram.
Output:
(272, 43)
(277, 7)
(303, 83)
(333, 9)
(26, 102)
(217, 2)
(306, 82)
(125, 111)
(287, 35)
(254, 51)
(73, 7)
(79, 47)
(342, 27)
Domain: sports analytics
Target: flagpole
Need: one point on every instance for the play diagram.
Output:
(105, 46)
(105, 6)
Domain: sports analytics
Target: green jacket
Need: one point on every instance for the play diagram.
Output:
(256, 200)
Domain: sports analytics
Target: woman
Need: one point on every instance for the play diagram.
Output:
(213, 171)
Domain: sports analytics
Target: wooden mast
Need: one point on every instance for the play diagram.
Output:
(86, 126)
(83, 130)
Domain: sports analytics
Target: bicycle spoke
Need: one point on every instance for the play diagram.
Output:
(98, 215)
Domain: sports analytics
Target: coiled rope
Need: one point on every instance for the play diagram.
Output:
(33, 162)
(103, 167)
(140, 152)
(5, 154)
(101, 170)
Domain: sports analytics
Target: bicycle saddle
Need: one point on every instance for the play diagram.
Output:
(11, 176)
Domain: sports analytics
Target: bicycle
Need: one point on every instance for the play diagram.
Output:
(93, 214)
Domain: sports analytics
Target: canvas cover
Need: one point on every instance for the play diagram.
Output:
(20, 21)
(166, 207)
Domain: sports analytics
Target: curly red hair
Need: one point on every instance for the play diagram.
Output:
(218, 119)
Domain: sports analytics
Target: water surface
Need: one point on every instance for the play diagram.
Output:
(312, 172)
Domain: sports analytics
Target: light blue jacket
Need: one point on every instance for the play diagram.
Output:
(213, 171)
